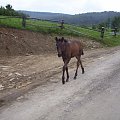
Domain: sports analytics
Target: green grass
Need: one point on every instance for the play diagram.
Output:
(47, 27)
(11, 22)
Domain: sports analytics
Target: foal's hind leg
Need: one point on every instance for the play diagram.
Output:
(76, 68)
(79, 62)
(83, 71)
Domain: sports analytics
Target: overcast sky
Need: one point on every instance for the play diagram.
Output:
(64, 6)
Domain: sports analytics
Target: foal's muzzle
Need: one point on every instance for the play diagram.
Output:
(59, 55)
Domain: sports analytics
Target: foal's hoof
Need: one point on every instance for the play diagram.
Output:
(75, 78)
(83, 71)
(67, 80)
(63, 82)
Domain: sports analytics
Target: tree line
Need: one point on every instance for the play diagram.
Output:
(111, 23)
(9, 11)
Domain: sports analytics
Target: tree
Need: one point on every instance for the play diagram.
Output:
(9, 7)
(2, 10)
(116, 22)
(9, 11)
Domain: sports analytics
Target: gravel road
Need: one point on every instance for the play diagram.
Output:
(92, 96)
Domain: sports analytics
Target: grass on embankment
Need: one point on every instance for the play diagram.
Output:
(47, 27)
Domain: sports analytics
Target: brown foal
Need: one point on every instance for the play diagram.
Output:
(68, 49)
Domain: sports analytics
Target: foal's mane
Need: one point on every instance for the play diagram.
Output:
(62, 39)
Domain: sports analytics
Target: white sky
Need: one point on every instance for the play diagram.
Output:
(64, 6)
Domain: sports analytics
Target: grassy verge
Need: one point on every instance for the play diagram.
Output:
(47, 27)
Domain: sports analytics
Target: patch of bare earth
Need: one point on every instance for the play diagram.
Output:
(28, 59)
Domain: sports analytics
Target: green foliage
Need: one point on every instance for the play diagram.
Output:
(9, 7)
(9, 11)
(111, 23)
(116, 22)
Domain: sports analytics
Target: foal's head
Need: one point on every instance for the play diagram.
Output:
(60, 44)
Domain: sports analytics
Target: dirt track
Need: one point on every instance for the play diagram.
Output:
(92, 96)
(29, 59)
(20, 74)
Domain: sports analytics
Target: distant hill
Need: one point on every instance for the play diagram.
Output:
(45, 15)
(78, 19)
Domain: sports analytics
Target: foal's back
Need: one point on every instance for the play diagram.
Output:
(75, 48)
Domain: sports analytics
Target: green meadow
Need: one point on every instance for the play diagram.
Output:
(47, 27)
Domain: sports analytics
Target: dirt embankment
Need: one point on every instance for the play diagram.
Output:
(21, 42)
(28, 59)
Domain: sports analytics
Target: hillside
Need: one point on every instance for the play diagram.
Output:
(78, 19)
(15, 42)
(22, 42)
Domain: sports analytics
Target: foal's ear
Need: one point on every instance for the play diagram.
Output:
(56, 38)
(62, 39)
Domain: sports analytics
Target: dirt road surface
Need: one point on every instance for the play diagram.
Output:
(92, 96)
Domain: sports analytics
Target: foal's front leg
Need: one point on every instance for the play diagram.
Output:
(67, 74)
(63, 75)
(65, 68)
